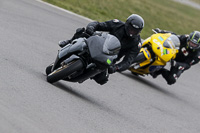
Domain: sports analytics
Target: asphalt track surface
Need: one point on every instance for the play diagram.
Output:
(29, 32)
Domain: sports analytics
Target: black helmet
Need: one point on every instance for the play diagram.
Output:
(134, 24)
(194, 40)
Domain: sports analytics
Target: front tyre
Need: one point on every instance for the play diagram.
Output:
(64, 71)
(134, 73)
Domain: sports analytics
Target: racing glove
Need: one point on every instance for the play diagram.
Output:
(112, 69)
(90, 30)
(158, 30)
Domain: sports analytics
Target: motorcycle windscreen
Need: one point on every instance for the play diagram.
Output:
(96, 44)
(111, 45)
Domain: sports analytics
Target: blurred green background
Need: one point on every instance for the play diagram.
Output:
(165, 14)
(197, 1)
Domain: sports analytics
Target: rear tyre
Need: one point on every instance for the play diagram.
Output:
(64, 71)
(48, 69)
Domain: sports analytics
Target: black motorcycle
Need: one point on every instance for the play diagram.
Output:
(84, 58)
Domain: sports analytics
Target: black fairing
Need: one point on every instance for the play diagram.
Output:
(104, 48)
(76, 46)
(101, 50)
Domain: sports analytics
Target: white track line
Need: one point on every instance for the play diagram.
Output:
(65, 10)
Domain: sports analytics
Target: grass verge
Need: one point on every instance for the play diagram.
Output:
(165, 14)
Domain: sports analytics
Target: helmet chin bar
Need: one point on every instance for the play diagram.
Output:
(132, 36)
(133, 32)
(193, 45)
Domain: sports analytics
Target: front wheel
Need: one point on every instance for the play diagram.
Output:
(64, 71)
(140, 57)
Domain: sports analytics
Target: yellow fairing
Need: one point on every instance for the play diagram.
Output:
(146, 41)
(162, 53)
(165, 54)
(146, 70)
(147, 55)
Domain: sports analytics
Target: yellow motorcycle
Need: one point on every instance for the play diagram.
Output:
(156, 51)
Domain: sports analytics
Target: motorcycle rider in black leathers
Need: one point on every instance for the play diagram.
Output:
(128, 34)
(188, 55)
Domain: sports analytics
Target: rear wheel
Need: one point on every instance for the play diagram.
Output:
(48, 69)
(64, 71)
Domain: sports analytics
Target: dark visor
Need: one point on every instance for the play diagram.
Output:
(133, 31)
(193, 44)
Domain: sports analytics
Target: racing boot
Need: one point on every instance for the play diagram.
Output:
(169, 77)
(64, 43)
(78, 34)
